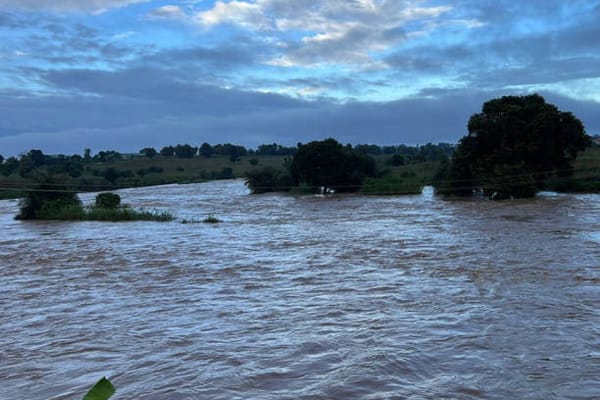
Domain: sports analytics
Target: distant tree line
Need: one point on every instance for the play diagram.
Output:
(409, 154)
(74, 165)
(109, 169)
(34, 159)
(234, 152)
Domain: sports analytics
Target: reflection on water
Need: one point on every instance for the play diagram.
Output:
(346, 297)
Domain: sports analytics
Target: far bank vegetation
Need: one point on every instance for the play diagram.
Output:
(403, 168)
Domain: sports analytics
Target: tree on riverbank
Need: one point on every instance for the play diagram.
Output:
(515, 146)
(319, 164)
(268, 179)
(328, 164)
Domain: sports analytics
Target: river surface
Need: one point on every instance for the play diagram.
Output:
(305, 297)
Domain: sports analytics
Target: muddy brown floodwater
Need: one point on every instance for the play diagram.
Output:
(347, 297)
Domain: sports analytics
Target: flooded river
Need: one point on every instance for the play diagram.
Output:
(305, 297)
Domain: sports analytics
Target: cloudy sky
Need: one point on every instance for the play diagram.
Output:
(126, 74)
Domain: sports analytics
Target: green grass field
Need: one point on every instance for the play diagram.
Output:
(586, 177)
(141, 171)
(398, 180)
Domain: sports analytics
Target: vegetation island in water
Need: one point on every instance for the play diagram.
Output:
(515, 147)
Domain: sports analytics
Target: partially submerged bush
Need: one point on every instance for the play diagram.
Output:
(211, 219)
(108, 200)
(54, 202)
(329, 164)
(268, 179)
(48, 199)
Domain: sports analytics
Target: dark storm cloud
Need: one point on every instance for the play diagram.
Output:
(83, 87)
(125, 111)
(169, 90)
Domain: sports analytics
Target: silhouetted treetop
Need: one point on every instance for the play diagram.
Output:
(327, 163)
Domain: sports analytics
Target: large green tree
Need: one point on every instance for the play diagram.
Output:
(514, 146)
(328, 164)
(185, 151)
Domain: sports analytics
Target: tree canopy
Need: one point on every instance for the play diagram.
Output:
(327, 163)
(514, 146)
(149, 152)
(185, 151)
(205, 150)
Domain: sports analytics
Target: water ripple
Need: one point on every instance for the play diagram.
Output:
(300, 297)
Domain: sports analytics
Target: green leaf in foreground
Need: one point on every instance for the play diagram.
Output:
(102, 390)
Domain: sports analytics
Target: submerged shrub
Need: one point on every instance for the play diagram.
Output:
(268, 179)
(49, 200)
(329, 164)
(108, 200)
(211, 219)
(54, 202)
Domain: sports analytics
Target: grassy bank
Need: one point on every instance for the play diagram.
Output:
(586, 177)
(400, 180)
(140, 171)
(410, 179)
